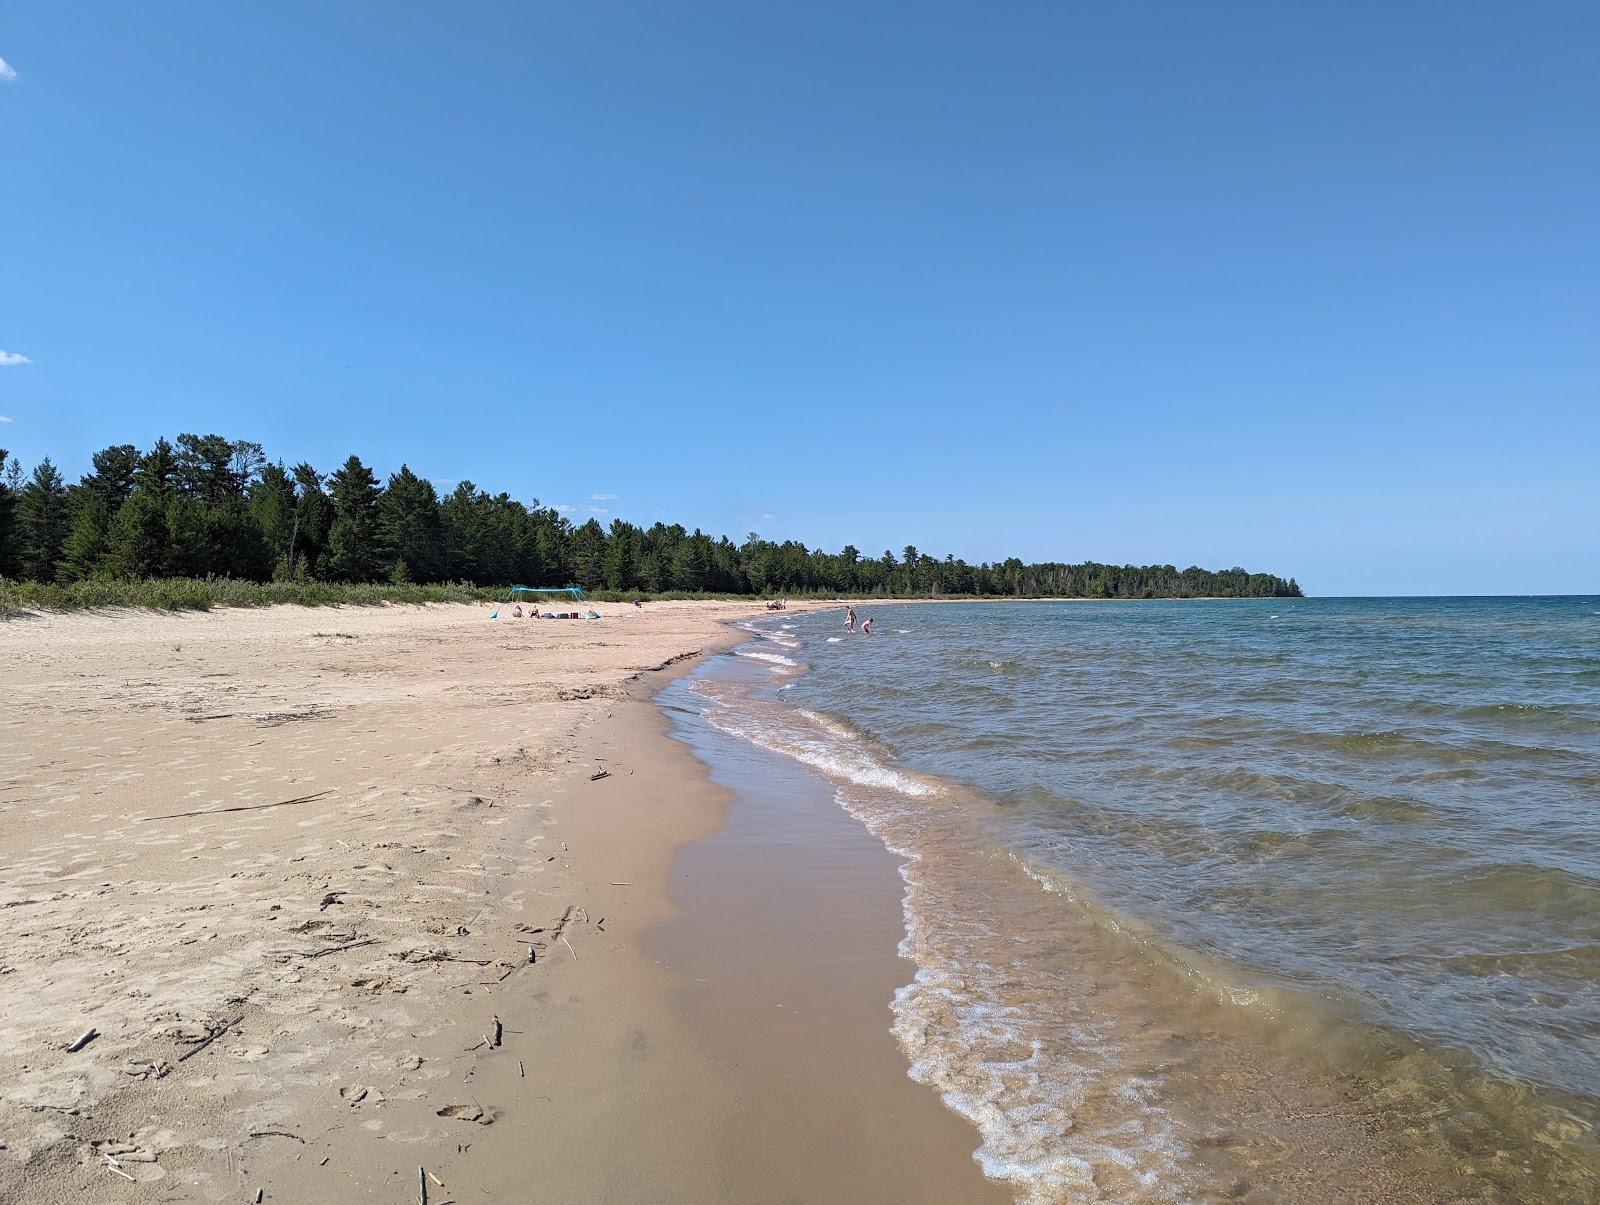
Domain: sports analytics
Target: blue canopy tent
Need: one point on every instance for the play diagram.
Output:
(575, 593)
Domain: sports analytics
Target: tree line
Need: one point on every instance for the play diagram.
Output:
(206, 506)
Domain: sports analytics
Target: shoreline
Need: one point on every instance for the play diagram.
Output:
(789, 938)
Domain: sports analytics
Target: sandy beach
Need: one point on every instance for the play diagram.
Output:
(339, 897)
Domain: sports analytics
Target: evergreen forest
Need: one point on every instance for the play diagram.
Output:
(208, 507)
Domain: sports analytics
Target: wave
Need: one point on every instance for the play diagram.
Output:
(827, 747)
(770, 658)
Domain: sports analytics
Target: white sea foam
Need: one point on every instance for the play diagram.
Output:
(771, 658)
(835, 639)
(833, 750)
(781, 639)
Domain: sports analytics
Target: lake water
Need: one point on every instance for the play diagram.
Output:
(1221, 899)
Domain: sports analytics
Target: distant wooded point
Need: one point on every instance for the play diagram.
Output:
(213, 507)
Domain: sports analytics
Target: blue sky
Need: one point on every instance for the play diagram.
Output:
(1311, 289)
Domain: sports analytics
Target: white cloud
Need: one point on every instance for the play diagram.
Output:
(561, 508)
(4, 419)
(767, 516)
(597, 510)
(7, 72)
(604, 497)
(10, 358)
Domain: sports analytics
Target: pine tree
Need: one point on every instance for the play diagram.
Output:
(42, 511)
(588, 555)
(116, 469)
(272, 505)
(409, 526)
(355, 552)
(138, 542)
(187, 545)
(212, 469)
(621, 553)
(89, 540)
(158, 471)
(313, 518)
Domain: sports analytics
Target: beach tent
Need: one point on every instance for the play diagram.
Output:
(573, 592)
(531, 593)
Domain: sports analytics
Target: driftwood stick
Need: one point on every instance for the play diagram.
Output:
(276, 1134)
(349, 945)
(422, 1186)
(499, 1031)
(210, 1037)
(254, 807)
(83, 1039)
(570, 950)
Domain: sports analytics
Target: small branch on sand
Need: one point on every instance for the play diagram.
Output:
(570, 950)
(614, 883)
(436, 1179)
(499, 1031)
(599, 774)
(254, 807)
(83, 1039)
(422, 1186)
(521, 1070)
(441, 956)
(112, 1167)
(349, 945)
(211, 1036)
(276, 1134)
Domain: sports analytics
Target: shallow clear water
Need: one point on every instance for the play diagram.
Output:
(1351, 842)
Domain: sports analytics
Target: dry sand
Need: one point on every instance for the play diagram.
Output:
(290, 865)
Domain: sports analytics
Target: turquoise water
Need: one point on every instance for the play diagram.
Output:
(1372, 825)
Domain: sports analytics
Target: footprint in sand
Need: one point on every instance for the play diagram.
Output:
(466, 1113)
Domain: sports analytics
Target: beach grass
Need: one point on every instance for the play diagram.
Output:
(202, 594)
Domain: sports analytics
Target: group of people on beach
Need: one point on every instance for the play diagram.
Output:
(850, 621)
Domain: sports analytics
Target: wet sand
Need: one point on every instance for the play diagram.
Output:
(789, 917)
(289, 866)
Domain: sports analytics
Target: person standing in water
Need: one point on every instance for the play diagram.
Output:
(866, 628)
(849, 618)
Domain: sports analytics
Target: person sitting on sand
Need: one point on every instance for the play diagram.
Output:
(849, 618)
(517, 612)
(866, 628)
